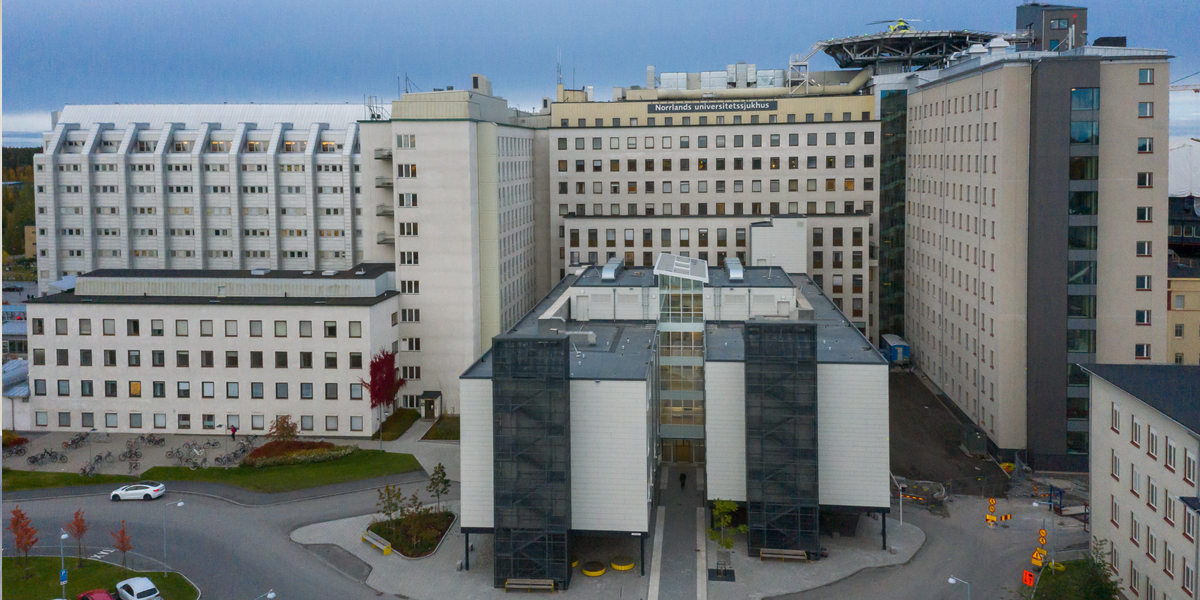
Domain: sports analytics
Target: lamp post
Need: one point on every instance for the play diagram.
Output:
(165, 507)
(269, 595)
(62, 561)
(954, 580)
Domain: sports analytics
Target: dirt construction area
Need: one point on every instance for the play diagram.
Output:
(926, 436)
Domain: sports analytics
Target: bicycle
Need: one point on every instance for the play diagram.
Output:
(88, 470)
(78, 441)
(131, 454)
(155, 440)
(212, 444)
(198, 464)
(133, 466)
(14, 451)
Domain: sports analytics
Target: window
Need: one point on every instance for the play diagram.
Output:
(306, 421)
(1145, 180)
(183, 389)
(1145, 76)
(256, 359)
(206, 328)
(231, 359)
(257, 422)
(181, 328)
(356, 423)
(110, 326)
(208, 389)
(231, 389)
(1141, 317)
(1143, 282)
(331, 423)
(1145, 110)
(331, 360)
(331, 391)
(356, 391)
(181, 358)
(256, 390)
(306, 391)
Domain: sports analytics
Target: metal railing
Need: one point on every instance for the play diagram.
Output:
(383, 153)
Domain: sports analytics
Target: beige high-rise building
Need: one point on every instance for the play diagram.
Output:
(1183, 314)
(1035, 238)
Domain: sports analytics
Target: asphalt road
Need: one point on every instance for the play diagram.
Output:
(960, 546)
(230, 551)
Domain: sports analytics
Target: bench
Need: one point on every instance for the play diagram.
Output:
(529, 585)
(782, 554)
(378, 542)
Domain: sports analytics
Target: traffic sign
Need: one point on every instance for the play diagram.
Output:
(1027, 578)
(1039, 552)
(1042, 540)
(1041, 533)
(991, 501)
(62, 577)
(1005, 517)
(1037, 562)
(992, 508)
(990, 518)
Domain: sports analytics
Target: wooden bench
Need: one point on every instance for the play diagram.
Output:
(529, 585)
(378, 542)
(782, 554)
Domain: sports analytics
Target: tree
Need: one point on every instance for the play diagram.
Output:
(122, 542)
(283, 429)
(439, 484)
(76, 528)
(391, 503)
(385, 383)
(24, 534)
(722, 512)
(1097, 582)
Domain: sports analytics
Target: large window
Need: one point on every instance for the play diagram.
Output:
(1085, 168)
(1085, 99)
(1085, 132)
(1081, 238)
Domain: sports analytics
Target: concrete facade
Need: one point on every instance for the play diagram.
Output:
(1183, 315)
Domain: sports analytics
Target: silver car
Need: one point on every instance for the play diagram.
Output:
(138, 588)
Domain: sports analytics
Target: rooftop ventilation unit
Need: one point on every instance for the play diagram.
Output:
(736, 272)
(258, 271)
(611, 268)
(329, 273)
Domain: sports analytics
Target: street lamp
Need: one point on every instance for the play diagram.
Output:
(62, 561)
(269, 595)
(954, 580)
(165, 506)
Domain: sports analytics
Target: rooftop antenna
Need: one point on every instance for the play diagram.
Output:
(558, 65)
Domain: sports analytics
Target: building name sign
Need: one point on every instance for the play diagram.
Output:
(718, 106)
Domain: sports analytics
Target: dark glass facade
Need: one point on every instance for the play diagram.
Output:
(893, 118)
(782, 498)
(531, 413)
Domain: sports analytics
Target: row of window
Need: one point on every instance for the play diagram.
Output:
(849, 161)
(702, 209)
(183, 389)
(133, 327)
(756, 141)
(719, 120)
(208, 189)
(158, 358)
(685, 187)
(258, 422)
(665, 234)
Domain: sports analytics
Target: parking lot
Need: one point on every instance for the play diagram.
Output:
(925, 440)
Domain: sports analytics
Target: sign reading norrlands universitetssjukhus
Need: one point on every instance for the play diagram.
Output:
(716, 106)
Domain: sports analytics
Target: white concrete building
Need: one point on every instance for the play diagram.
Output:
(1145, 445)
(751, 374)
(202, 186)
(198, 351)
(1035, 235)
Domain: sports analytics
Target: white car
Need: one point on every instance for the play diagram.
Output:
(138, 588)
(142, 490)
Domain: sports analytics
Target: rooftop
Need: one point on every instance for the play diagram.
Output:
(717, 277)
(361, 271)
(1173, 390)
(223, 116)
(72, 298)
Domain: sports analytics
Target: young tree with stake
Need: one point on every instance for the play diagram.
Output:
(439, 484)
(385, 383)
(24, 534)
(76, 528)
(122, 542)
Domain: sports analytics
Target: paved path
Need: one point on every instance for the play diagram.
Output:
(679, 574)
(429, 454)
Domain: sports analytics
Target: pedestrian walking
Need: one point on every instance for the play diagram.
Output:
(682, 480)
(233, 432)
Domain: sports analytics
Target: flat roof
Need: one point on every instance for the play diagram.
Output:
(70, 297)
(1173, 390)
(1178, 270)
(765, 277)
(369, 271)
(225, 116)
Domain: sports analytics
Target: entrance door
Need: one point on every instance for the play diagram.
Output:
(429, 412)
(683, 451)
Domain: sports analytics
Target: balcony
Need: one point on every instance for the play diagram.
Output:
(384, 182)
(385, 237)
(384, 210)
(383, 153)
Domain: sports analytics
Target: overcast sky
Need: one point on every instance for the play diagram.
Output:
(133, 51)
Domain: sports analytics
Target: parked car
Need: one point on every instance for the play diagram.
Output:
(95, 595)
(138, 588)
(142, 490)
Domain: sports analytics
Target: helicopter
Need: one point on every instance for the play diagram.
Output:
(898, 25)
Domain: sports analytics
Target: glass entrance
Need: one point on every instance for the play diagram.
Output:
(679, 451)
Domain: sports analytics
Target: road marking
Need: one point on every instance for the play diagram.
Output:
(101, 554)
(701, 557)
(656, 550)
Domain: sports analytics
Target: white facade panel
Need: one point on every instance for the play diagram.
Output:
(476, 452)
(725, 430)
(610, 456)
(852, 434)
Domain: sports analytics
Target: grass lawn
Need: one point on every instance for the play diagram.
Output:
(93, 575)
(396, 424)
(446, 428)
(32, 480)
(363, 464)
(1062, 585)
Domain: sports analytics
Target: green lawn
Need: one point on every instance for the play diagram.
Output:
(446, 428)
(363, 464)
(1068, 584)
(93, 575)
(396, 424)
(32, 480)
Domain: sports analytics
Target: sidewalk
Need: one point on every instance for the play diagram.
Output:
(429, 454)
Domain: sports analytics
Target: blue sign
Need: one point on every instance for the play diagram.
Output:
(62, 577)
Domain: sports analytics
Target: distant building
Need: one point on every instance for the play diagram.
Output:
(1055, 27)
(1184, 189)
(1183, 312)
(30, 241)
(1146, 437)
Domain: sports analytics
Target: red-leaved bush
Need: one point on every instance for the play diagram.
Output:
(280, 448)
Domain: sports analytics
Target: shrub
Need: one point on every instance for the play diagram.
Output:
(280, 448)
(301, 457)
(12, 439)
